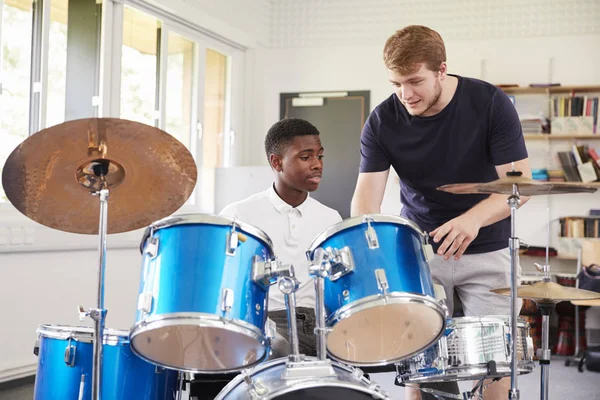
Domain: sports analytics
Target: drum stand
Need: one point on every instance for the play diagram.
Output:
(513, 243)
(98, 315)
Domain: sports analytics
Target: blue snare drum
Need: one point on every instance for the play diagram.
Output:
(64, 371)
(201, 307)
(381, 307)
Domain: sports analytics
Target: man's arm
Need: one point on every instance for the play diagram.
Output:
(462, 230)
(368, 195)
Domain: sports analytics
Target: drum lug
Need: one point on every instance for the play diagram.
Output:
(428, 252)
(227, 296)
(145, 301)
(70, 354)
(371, 235)
(232, 242)
(255, 389)
(36, 347)
(270, 329)
(152, 247)
(382, 282)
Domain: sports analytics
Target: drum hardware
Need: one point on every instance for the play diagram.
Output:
(319, 267)
(382, 282)
(227, 297)
(515, 185)
(53, 175)
(473, 348)
(266, 273)
(370, 234)
(65, 366)
(390, 295)
(208, 314)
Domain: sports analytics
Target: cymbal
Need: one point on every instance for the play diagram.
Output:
(591, 303)
(50, 176)
(549, 292)
(525, 186)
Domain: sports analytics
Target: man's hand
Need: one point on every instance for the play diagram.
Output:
(459, 233)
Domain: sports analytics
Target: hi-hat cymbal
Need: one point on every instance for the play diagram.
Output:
(549, 292)
(526, 187)
(50, 177)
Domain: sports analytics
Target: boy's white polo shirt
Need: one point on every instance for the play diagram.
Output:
(292, 230)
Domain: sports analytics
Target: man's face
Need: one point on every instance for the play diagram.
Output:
(418, 91)
(301, 164)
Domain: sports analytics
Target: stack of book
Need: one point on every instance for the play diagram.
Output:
(574, 115)
(581, 164)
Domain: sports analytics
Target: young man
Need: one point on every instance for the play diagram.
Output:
(439, 129)
(291, 219)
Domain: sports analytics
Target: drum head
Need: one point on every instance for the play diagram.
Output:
(383, 334)
(198, 348)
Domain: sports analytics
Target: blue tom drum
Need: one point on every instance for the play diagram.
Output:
(202, 304)
(65, 359)
(379, 297)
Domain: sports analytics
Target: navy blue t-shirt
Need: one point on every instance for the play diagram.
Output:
(463, 143)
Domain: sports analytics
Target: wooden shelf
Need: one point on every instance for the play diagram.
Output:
(556, 136)
(550, 90)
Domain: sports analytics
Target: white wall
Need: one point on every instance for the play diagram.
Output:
(47, 287)
(573, 60)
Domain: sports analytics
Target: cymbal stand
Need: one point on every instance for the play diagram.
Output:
(98, 314)
(578, 356)
(513, 243)
(546, 307)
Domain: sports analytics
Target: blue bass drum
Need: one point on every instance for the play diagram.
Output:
(379, 298)
(202, 304)
(65, 358)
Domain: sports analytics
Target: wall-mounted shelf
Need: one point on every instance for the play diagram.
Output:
(555, 136)
(550, 90)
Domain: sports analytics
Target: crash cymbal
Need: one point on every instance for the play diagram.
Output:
(591, 303)
(549, 292)
(50, 177)
(526, 187)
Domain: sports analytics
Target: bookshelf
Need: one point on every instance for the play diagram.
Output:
(558, 136)
(567, 133)
(550, 90)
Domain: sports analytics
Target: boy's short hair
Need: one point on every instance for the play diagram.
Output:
(413, 45)
(284, 131)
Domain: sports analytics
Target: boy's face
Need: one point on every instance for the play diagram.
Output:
(301, 165)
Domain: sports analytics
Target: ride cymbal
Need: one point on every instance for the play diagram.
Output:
(525, 186)
(50, 176)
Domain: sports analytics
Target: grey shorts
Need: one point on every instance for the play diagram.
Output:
(472, 277)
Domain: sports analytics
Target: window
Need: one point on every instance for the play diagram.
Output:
(215, 109)
(139, 67)
(180, 88)
(57, 63)
(15, 39)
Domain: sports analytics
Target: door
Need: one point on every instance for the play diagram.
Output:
(339, 117)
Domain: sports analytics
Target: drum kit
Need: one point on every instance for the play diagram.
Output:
(202, 304)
